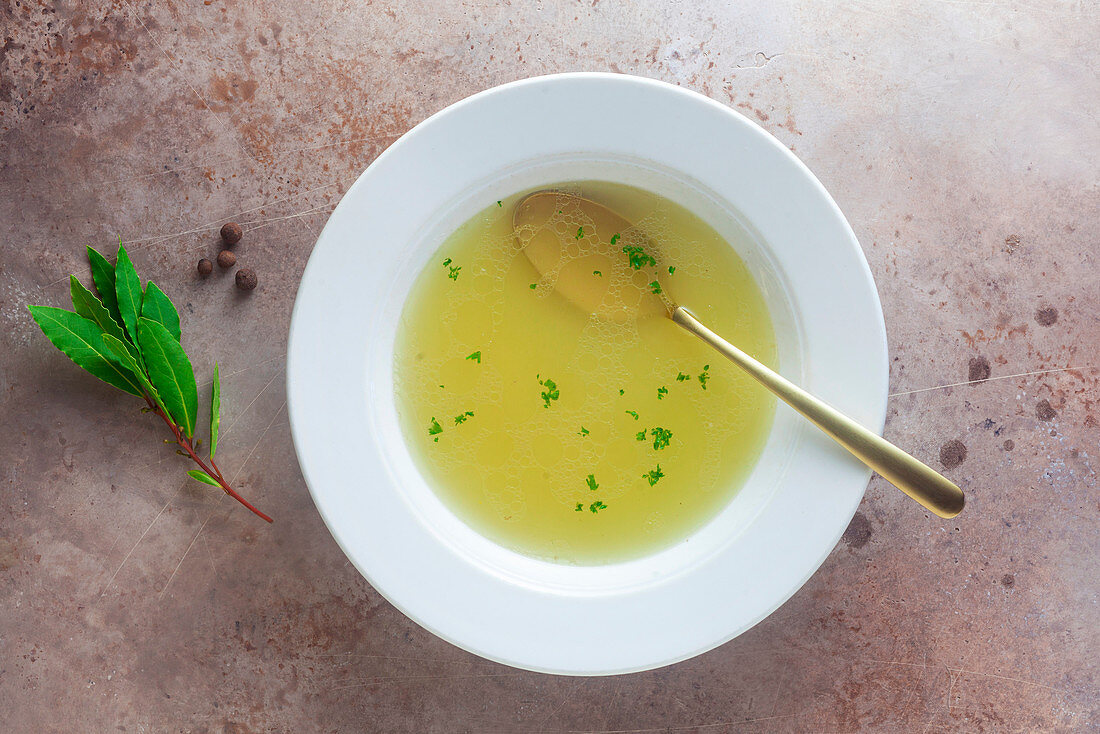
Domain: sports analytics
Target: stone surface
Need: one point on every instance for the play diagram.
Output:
(961, 140)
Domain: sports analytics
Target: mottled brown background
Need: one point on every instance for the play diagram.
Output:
(961, 139)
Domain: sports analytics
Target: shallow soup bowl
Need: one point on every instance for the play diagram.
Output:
(558, 618)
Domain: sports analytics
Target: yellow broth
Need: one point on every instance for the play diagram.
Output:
(543, 427)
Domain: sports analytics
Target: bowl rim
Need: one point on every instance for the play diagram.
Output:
(304, 368)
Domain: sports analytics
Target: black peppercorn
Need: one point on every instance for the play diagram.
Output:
(226, 259)
(231, 233)
(205, 267)
(246, 279)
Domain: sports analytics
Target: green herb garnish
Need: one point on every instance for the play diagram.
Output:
(583, 431)
(681, 377)
(655, 287)
(661, 437)
(653, 475)
(638, 257)
(453, 274)
(447, 262)
(550, 393)
(580, 233)
(704, 376)
(640, 435)
(498, 203)
(614, 239)
(435, 429)
(633, 413)
(533, 286)
(661, 392)
(621, 392)
(591, 482)
(671, 269)
(476, 356)
(597, 273)
(462, 417)
(597, 506)
(579, 507)
(129, 337)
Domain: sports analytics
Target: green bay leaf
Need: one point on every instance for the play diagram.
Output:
(158, 307)
(126, 356)
(170, 372)
(201, 476)
(103, 275)
(91, 308)
(82, 341)
(215, 411)
(128, 290)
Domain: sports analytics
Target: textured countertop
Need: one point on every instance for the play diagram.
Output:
(960, 138)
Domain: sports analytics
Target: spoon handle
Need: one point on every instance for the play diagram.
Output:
(917, 480)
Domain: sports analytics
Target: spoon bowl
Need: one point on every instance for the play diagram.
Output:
(579, 248)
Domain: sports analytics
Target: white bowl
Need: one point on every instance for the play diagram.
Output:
(532, 614)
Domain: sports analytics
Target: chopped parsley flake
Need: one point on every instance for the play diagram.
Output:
(499, 203)
(655, 287)
(661, 392)
(640, 435)
(583, 431)
(671, 269)
(597, 273)
(441, 387)
(704, 376)
(591, 482)
(453, 274)
(680, 377)
(653, 475)
(597, 506)
(621, 392)
(638, 258)
(580, 233)
(633, 413)
(550, 393)
(579, 507)
(476, 356)
(461, 417)
(434, 429)
(661, 437)
(533, 286)
(614, 239)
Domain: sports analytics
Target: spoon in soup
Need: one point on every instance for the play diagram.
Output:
(580, 264)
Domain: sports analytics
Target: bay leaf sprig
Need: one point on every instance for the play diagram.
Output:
(129, 337)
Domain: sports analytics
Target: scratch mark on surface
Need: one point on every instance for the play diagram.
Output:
(403, 678)
(147, 529)
(949, 669)
(210, 554)
(177, 568)
(988, 379)
(216, 222)
(269, 156)
(251, 403)
(258, 441)
(564, 700)
(172, 63)
(405, 659)
(681, 727)
(299, 215)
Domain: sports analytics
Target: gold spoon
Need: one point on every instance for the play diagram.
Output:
(606, 243)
